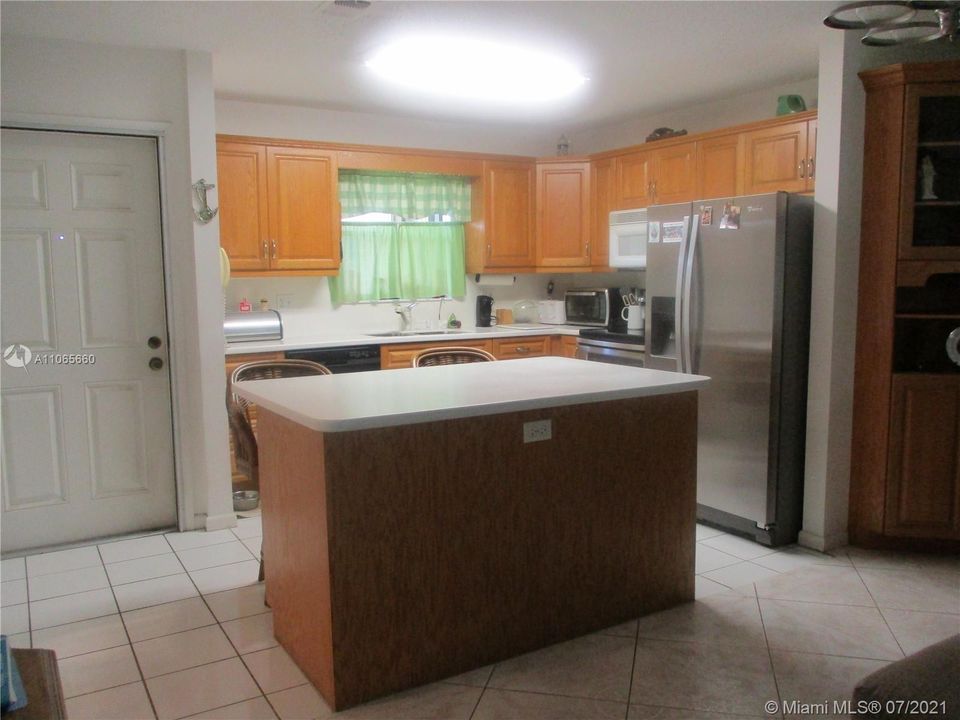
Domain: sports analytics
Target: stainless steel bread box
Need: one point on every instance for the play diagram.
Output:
(252, 326)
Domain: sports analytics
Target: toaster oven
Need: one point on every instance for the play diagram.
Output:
(593, 307)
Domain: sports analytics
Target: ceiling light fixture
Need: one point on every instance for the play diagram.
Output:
(476, 69)
(898, 22)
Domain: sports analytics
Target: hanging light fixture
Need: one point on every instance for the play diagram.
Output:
(898, 22)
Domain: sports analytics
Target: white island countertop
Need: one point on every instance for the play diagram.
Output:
(358, 401)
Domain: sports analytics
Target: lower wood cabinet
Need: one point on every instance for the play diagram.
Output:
(923, 470)
(395, 357)
(522, 347)
(564, 345)
(232, 363)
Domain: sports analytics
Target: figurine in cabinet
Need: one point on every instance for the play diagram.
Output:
(928, 176)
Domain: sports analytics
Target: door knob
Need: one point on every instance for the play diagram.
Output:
(156, 363)
(154, 342)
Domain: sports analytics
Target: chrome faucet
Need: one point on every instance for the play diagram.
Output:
(405, 313)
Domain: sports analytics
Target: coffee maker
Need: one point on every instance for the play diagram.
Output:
(484, 310)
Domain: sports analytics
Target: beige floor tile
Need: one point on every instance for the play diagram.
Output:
(198, 538)
(916, 630)
(146, 568)
(594, 666)
(648, 712)
(439, 701)
(214, 555)
(794, 558)
(627, 629)
(705, 588)
(274, 670)
(126, 702)
(170, 653)
(123, 550)
(728, 619)
(715, 678)
(254, 545)
(514, 705)
(63, 561)
(709, 558)
(256, 709)
(82, 637)
(830, 629)
(251, 633)
(300, 703)
(474, 678)
(237, 603)
(930, 590)
(67, 583)
(72, 608)
(248, 528)
(740, 575)
(13, 569)
(166, 619)
(227, 577)
(738, 546)
(156, 591)
(189, 692)
(13, 592)
(705, 531)
(819, 678)
(869, 559)
(836, 585)
(15, 619)
(98, 670)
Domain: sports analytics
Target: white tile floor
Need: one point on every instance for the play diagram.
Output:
(173, 626)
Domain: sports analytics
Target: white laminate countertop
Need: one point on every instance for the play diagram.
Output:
(328, 340)
(358, 401)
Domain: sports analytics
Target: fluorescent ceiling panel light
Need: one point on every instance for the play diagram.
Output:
(475, 69)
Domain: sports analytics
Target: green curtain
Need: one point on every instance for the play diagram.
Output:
(410, 196)
(415, 260)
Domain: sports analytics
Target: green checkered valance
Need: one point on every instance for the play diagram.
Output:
(410, 196)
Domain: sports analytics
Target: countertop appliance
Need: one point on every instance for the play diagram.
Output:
(628, 238)
(595, 307)
(350, 359)
(551, 312)
(617, 348)
(728, 296)
(252, 326)
(484, 310)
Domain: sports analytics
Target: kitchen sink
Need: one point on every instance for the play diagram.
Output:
(413, 333)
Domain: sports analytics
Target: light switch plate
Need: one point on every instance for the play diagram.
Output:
(284, 301)
(537, 430)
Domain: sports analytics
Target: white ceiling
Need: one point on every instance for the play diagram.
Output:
(641, 57)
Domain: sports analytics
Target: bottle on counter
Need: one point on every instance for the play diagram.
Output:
(264, 304)
(245, 305)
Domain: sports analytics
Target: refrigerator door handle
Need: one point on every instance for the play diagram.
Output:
(686, 338)
(678, 329)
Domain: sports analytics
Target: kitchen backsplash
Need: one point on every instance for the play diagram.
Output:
(304, 302)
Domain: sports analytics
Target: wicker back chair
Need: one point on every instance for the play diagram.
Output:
(238, 412)
(451, 356)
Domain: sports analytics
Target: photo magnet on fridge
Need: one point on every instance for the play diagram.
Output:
(653, 232)
(706, 214)
(730, 220)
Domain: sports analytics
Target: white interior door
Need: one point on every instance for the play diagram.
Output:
(86, 422)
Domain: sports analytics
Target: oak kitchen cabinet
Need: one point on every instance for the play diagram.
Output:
(781, 157)
(720, 166)
(279, 208)
(656, 176)
(502, 236)
(563, 224)
(905, 456)
(521, 347)
(602, 183)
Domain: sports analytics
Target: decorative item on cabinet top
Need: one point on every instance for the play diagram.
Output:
(662, 133)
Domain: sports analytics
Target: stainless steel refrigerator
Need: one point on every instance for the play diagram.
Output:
(728, 296)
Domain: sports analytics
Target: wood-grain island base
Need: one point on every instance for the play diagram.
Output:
(402, 555)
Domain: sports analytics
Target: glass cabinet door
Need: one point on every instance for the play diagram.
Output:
(930, 210)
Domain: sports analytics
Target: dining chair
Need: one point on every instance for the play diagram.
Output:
(451, 356)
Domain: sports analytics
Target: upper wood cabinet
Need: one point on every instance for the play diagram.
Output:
(720, 167)
(563, 214)
(602, 182)
(656, 176)
(502, 234)
(278, 208)
(779, 158)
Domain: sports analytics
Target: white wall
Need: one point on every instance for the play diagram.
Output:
(78, 85)
(235, 117)
(755, 105)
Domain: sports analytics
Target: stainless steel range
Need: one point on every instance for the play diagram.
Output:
(617, 348)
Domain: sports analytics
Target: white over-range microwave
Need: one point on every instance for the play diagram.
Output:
(628, 238)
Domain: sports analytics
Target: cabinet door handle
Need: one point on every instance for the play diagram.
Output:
(810, 168)
(266, 250)
(273, 244)
(521, 349)
(586, 249)
(489, 250)
(801, 168)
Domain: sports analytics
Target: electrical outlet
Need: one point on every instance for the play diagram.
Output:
(284, 301)
(537, 430)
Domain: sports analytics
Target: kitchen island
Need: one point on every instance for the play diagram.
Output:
(421, 523)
